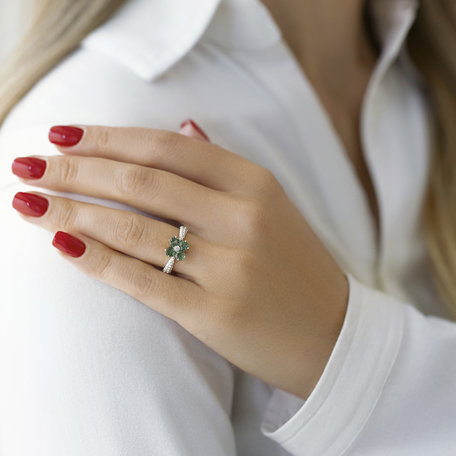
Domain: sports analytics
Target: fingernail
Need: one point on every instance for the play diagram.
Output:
(28, 167)
(68, 244)
(30, 204)
(195, 126)
(63, 135)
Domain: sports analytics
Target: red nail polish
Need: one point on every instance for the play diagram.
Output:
(30, 204)
(28, 167)
(195, 126)
(68, 244)
(63, 135)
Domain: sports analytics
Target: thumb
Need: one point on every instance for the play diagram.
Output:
(190, 128)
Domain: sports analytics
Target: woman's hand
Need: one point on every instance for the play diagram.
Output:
(256, 285)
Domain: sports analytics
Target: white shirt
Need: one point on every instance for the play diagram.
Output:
(88, 370)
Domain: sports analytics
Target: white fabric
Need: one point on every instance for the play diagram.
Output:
(88, 370)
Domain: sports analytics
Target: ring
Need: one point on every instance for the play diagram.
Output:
(176, 249)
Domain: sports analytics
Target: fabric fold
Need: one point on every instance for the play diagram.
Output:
(350, 385)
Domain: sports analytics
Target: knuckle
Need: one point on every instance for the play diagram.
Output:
(144, 139)
(68, 170)
(267, 183)
(267, 177)
(167, 143)
(143, 284)
(243, 261)
(133, 180)
(129, 230)
(67, 214)
(252, 216)
(99, 263)
(103, 139)
(243, 272)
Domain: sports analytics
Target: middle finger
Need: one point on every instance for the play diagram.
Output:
(151, 190)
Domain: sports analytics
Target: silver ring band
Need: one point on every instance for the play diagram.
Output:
(176, 249)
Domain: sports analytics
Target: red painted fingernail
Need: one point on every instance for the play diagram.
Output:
(68, 244)
(63, 135)
(28, 167)
(195, 126)
(30, 204)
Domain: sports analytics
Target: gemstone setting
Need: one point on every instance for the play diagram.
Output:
(177, 248)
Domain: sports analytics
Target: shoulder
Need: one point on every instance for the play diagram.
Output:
(129, 70)
(115, 77)
(116, 62)
(150, 65)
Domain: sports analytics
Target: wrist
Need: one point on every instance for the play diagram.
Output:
(324, 341)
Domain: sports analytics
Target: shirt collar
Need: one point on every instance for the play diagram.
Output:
(393, 20)
(150, 36)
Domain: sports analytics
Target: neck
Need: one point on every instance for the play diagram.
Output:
(324, 35)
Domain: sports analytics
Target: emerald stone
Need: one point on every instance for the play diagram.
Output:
(174, 241)
(177, 248)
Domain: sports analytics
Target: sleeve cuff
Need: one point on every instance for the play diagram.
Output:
(352, 381)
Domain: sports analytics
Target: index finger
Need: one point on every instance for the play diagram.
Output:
(197, 160)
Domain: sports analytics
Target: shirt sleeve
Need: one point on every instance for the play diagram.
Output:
(389, 386)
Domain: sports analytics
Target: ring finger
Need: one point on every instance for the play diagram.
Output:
(134, 234)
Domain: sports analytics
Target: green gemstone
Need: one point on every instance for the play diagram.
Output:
(175, 241)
